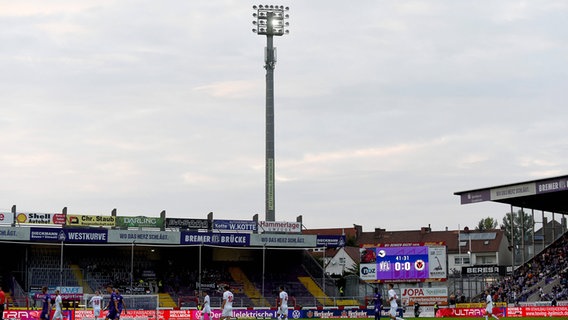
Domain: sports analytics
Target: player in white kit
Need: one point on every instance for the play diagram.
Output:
(393, 304)
(283, 307)
(96, 301)
(58, 314)
(206, 307)
(489, 306)
(227, 305)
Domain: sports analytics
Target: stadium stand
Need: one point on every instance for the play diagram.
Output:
(543, 278)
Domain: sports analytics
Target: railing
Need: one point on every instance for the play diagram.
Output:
(300, 302)
(19, 297)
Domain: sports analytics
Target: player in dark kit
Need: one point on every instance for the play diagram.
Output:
(119, 304)
(112, 304)
(378, 300)
(46, 305)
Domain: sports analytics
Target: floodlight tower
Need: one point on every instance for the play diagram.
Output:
(270, 21)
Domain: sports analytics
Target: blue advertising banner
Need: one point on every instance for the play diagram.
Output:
(69, 235)
(330, 241)
(222, 239)
(308, 313)
(334, 313)
(235, 225)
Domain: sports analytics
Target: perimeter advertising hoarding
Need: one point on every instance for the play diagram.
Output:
(193, 314)
(90, 220)
(40, 218)
(69, 235)
(403, 262)
(470, 312)
(6, 218)
(283, 240)
(521, 312)
(305, 313)
(34, 314)
(210, 238)
(141, 236)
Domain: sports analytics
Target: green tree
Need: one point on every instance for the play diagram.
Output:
(487, 224)
(351, 241)
(523, 227)
(354, 269)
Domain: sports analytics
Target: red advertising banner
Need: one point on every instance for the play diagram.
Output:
(130, 314)
(468, 312)
(33, 314)
(520, 312)
(512, 312)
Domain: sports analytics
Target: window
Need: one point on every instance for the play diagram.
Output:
(342, 261)
(461, 260)
(487, 260)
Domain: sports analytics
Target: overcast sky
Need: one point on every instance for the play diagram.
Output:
(383, 109)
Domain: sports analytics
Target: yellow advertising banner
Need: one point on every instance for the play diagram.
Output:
(85, 220)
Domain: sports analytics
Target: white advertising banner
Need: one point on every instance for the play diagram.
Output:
(40, 218)
(279, 226)
(283, 240)
(6, 218)
(425, 296)
(136, 236)
(15, 233)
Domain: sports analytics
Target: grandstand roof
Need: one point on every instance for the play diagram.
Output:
(548, 194)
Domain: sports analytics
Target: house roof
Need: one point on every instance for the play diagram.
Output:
(347, 231)
(352, 252)
(481, 241)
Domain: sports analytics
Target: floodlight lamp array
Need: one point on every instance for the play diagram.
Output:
(271, 20)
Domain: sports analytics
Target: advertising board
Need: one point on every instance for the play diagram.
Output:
(405, 262)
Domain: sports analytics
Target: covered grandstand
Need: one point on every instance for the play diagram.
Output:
(540, 263)
(176, 263)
